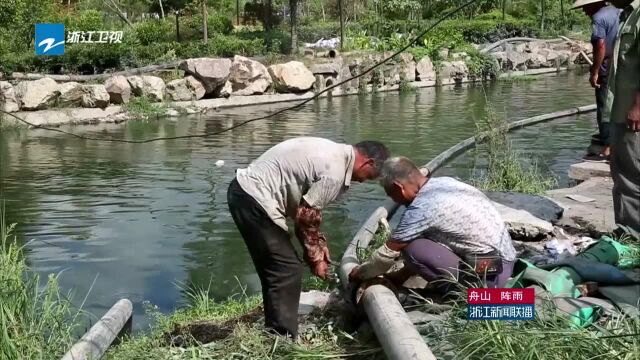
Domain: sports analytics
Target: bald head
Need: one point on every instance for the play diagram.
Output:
(401, 179)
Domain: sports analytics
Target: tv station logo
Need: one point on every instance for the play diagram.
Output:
(50, 38)
(501, 304)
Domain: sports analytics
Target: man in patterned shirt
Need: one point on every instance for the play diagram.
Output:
(446, 223)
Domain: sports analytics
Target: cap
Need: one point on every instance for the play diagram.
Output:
(582, 3)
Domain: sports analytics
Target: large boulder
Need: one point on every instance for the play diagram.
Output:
(291, 77)
(537, 61)
(453, 70)
(535, 46)
(347, 72)
(8, 100)
(425, 69)
(95, 96)
(528, 217)
(501, 57)
(247, 77)
(391, 74)
(552, 57)
(408, 67)
(152, 87)
(517, 60)
(332, 68)
(563, 57)
(70, 94)
(213, 73)
(541, 207)
(37, 94)
(185, 89)
(119, 89)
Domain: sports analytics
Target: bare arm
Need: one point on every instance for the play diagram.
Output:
(599, 51)
(314, 243)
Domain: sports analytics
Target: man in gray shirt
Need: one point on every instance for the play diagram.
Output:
(294, 180)
(605, 22)
(446, 224)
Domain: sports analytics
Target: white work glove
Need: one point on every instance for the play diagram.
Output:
(380, 262)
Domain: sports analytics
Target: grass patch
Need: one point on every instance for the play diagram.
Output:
(144, 108)
(36, 320)
(381, 236)
(550, 337)
(519, 78)
(233, 330)
(406, 87)
(507, 169)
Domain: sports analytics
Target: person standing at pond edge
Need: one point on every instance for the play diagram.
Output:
(623, 106)
(295, 179)
(605, 22)
(447, 226)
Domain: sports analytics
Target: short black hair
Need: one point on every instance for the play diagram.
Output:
(373, 150)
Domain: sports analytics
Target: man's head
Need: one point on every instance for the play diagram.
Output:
(370, 155)
(590, 7)
(401, 179)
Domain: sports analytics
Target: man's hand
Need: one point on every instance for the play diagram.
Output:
(633, 117)
(321, 269)
(593, 79)
(354, 275)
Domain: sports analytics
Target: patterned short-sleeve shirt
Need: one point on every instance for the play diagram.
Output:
(458, 216)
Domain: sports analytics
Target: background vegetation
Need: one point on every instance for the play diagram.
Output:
(157, 31)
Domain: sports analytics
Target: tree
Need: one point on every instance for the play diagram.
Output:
(204, 21)
(293, 9)
(161, 9)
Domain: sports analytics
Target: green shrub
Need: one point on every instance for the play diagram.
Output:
(222, 45)
(153, 31)
(275, 41)
(191, 26)
(36, 320)
(94, 58)
(507, 169)
(482, 66)
(495, 15)
(314, 32)
(219, 24)
(143, 108)
(87, 20)
(418, 52)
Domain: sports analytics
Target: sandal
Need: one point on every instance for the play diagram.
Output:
(596, 158)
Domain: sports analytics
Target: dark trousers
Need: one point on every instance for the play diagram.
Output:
(625, 171)
(601, 101)
(276, 261)
(433, 261)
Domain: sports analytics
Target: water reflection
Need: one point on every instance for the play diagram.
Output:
(144, 217)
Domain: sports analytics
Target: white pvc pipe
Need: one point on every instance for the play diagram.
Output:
(101, 335)
(399, 338)
(394, 330)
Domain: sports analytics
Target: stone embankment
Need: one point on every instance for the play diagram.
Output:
(209, 83)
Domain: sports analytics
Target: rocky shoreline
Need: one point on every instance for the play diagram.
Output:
(206, 84)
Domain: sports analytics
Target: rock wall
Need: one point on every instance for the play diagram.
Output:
(222, 78)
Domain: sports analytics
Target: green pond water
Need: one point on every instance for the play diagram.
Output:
(143, 220)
